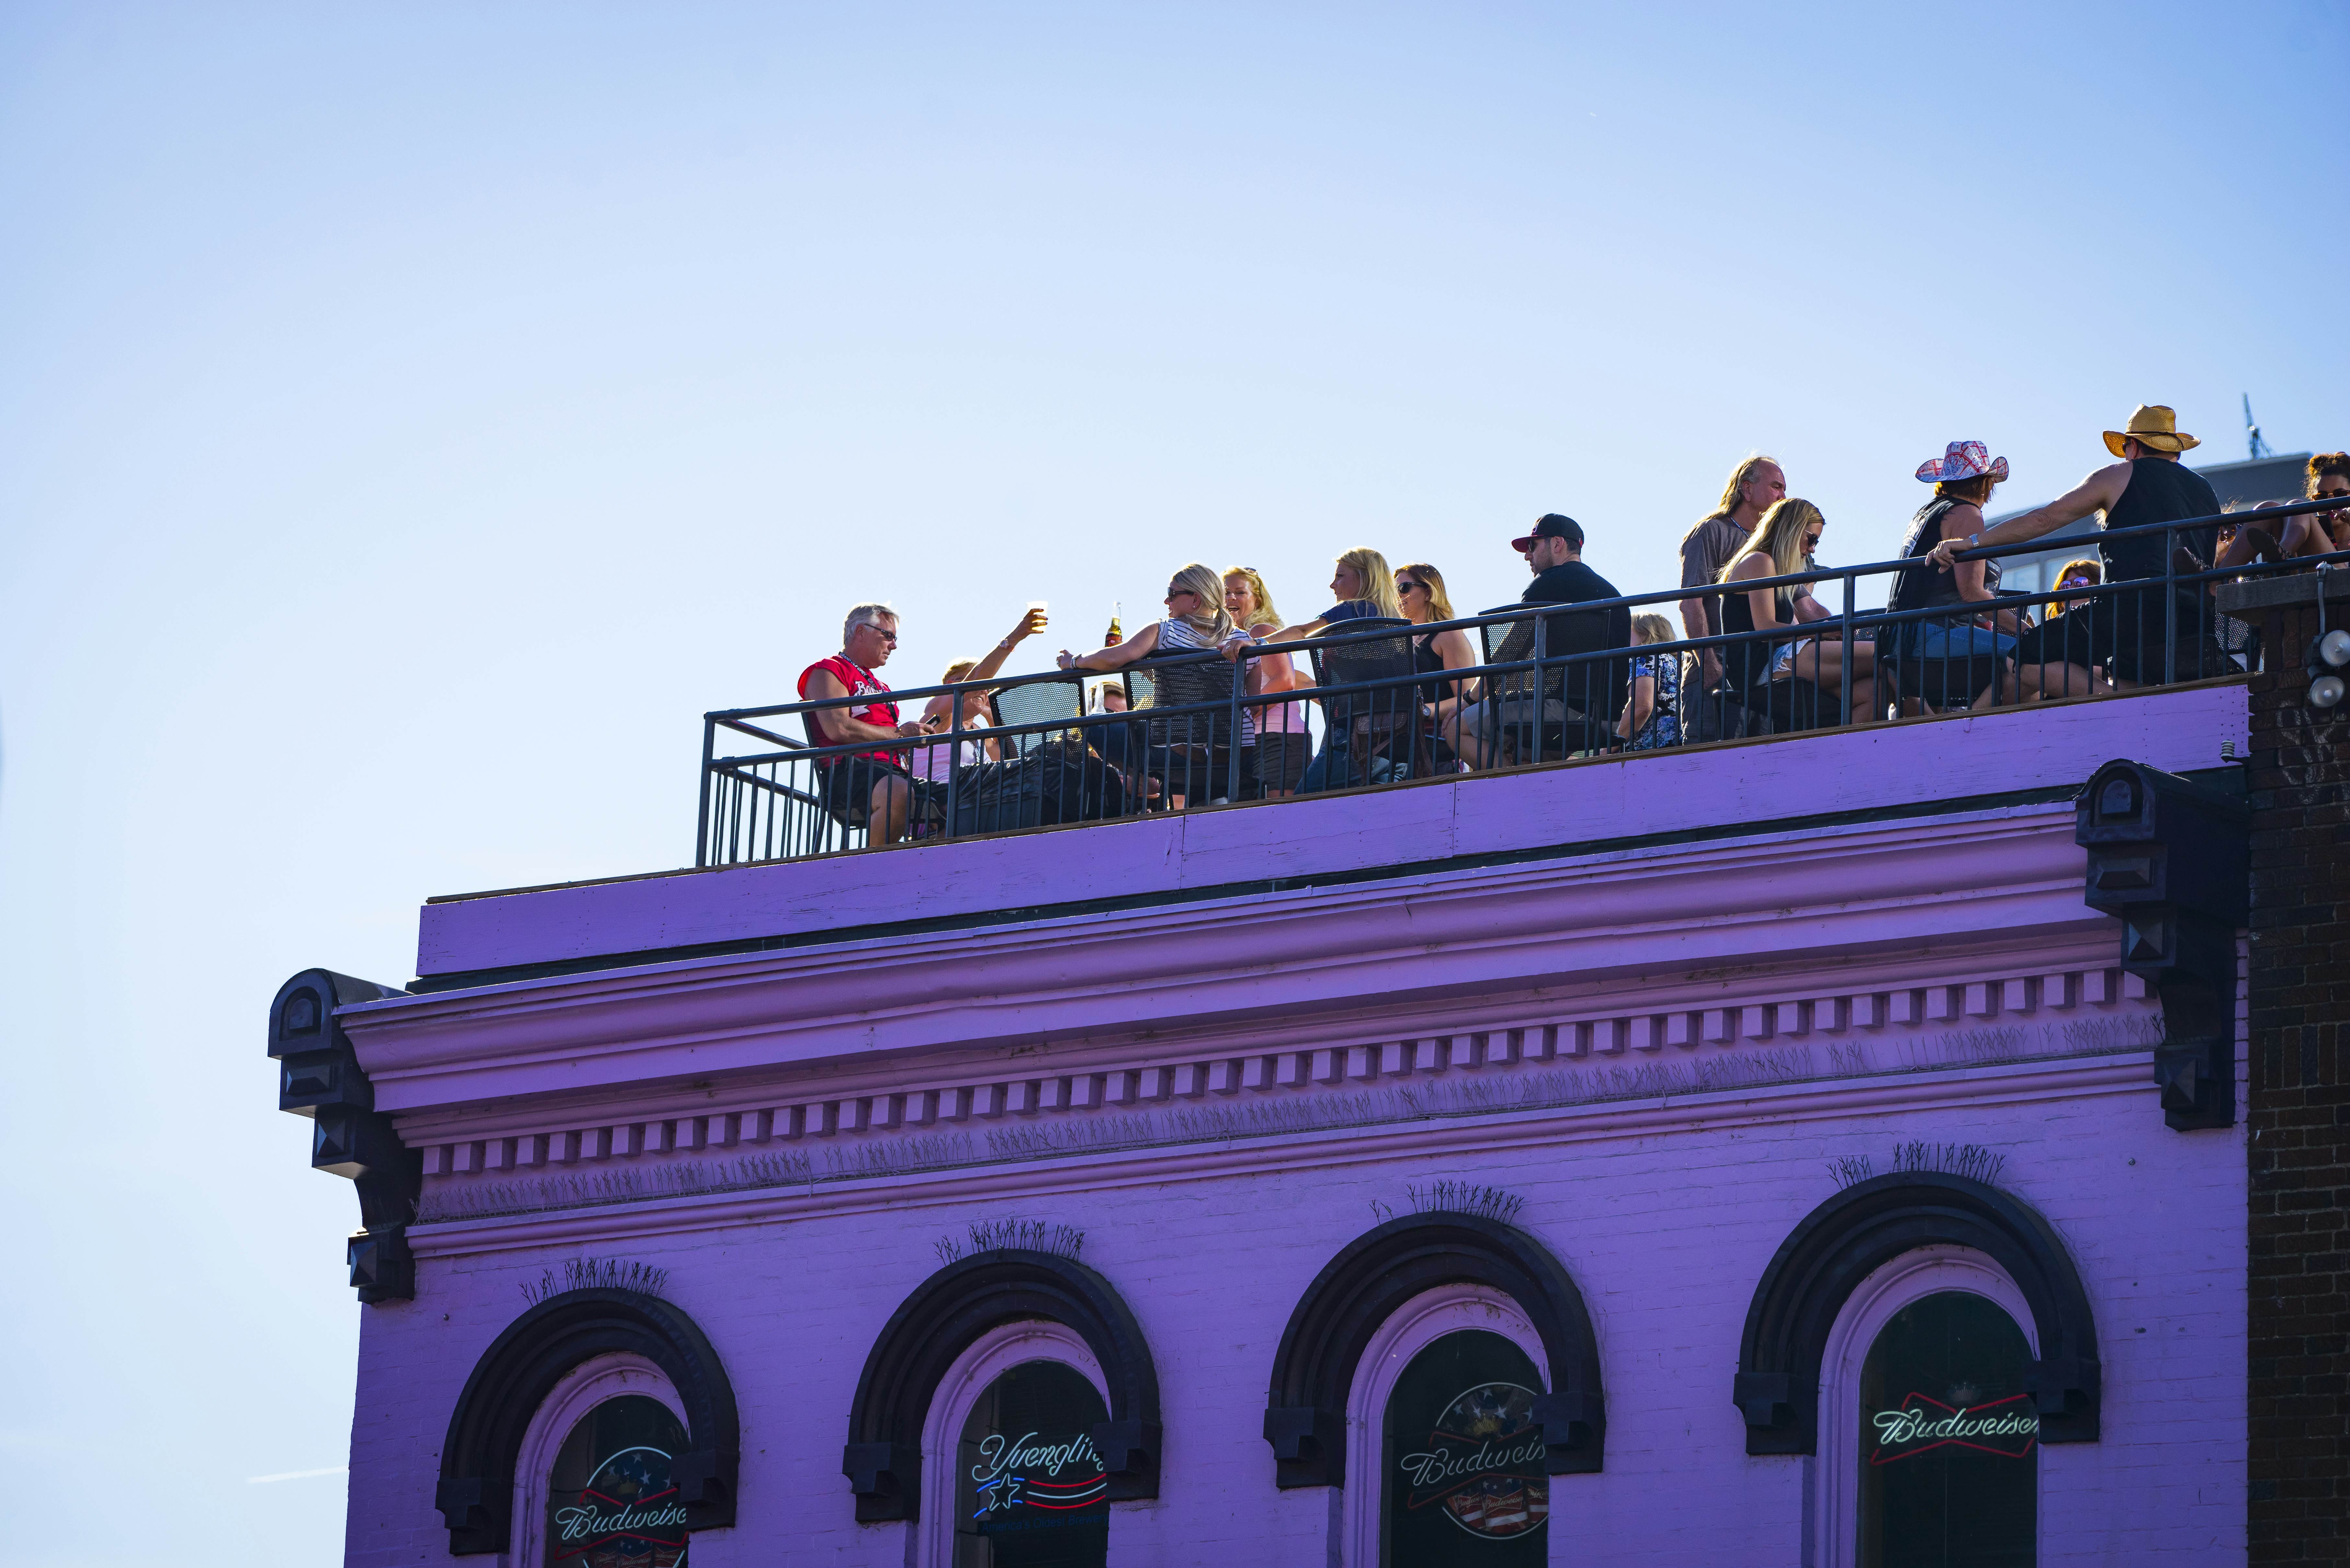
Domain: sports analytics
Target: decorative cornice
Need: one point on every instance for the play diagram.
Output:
(2117, 1073)
(2059, 1010)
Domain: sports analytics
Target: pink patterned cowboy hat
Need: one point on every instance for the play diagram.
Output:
(1965, 460)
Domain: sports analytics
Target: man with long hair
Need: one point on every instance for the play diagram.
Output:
(1755, 487)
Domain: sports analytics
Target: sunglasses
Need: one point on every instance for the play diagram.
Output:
(1406, 586)
(1181, 594)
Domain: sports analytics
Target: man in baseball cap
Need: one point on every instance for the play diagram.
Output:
(1553, 553)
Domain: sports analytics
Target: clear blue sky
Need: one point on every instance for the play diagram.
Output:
(412, 418)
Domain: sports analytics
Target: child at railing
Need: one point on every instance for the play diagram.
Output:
(1652, 711)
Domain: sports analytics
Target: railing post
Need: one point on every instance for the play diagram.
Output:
(954, 761)
(1239, 691)
(2170, 604)
(702, 826)
(1851, 592)
(1542, 691)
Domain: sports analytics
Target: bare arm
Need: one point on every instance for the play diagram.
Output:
(1763, 602)
(824, 686)
(1637, 711)
(1458, 653)
(1031, 623)
(1117, 655)
(1238, 644)
(2098, 493)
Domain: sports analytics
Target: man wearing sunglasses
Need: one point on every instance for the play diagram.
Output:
(875, 784)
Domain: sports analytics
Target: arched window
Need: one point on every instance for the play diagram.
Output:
(1012, 1470)
(1463, 1479)
(596, 1477)
(941, 1350)
(1949, 1442)
(612, 1500)
(550, 1369)
(1449, 1460)
(1030, 1489)
(1929, 1435)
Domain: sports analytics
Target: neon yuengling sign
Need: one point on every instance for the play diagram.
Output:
(1026, 1473)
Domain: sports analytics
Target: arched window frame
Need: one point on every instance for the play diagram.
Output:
(1875, 1303)
(481, 1452)
(1871, 1223)
(1381, 1271)
(1410, 1329)
(952, 1310)
(586, 1386)
(989, 1358)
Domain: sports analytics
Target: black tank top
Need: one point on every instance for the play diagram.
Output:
(1749, 663)
(1923, 587)
(2159, 491)
(1428, 661)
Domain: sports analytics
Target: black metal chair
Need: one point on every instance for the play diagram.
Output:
(1188, 753)
(1038, 702)
(1378, 731)
(852, 807)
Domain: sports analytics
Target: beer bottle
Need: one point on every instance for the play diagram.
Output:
(1116, 636)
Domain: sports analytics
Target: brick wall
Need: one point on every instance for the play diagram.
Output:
(2298, 1110)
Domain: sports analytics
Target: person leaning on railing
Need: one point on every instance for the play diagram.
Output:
(1196, 622)
(1771, 671)
(869, 789)
(2149, 485)
(1981, 646)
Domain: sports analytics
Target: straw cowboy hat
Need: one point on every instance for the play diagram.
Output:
(2151, 425)
(1964, 460)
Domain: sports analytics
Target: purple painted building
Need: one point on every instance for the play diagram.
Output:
(1754, 1153)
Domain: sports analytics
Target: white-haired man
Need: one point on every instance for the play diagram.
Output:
(875, 784)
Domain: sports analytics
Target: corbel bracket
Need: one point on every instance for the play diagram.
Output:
(318, 1076)
(2171, 860)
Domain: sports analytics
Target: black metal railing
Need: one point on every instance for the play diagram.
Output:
(1553, 682)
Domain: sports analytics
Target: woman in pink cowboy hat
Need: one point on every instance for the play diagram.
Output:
(1957, 658)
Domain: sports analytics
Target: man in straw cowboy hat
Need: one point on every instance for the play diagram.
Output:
(2131, 635)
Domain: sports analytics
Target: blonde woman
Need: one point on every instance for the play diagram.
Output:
(1282, 743)
(1651, 716)
(1765, 667)
(1420, 588)
(1196, 621)
(1365, 589)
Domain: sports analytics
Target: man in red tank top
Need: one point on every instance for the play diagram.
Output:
(873, 783)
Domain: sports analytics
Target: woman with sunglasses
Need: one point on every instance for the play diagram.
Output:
(1196, 622)
(1419, 589)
